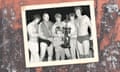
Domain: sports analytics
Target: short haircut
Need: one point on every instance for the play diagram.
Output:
(45, 14)
(72, 14)
(58, 15)
(78, 8)
(36, 16)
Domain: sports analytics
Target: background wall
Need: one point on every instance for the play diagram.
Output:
(52, 11)
(11, 40)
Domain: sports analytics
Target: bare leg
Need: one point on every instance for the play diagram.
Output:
(57, 52)
(77, 50)
(30, 49)
(80, 48)
(86, 46)
(67, 53)
(50, 52)
(43, 47)
(73, 47)
(33, 47)
(36, 52)
(62, 54)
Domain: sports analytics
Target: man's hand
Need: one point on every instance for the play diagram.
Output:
(43, 37)
(50, 39)
(91, 37)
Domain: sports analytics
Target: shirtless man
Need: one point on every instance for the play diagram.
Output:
(58, 35)
(33, 39)
(73, 35)
(45, 34)
(83, 22)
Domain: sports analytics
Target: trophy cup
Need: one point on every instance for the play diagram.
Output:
(66, 32)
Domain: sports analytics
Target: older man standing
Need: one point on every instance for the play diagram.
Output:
(45, 34)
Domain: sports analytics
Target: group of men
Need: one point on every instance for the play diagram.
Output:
(69, 38)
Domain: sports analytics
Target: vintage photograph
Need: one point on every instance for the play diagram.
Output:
(59, 34)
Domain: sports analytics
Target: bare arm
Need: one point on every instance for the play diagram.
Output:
(73, 30)
(40, 32)
(89, 25)
(53, 30)
(31, 31)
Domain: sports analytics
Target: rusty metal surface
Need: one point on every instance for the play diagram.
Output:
(11, 40)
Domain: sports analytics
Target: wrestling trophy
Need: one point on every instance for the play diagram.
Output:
(66, 32)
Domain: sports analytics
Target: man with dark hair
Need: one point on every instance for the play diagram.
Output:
(45, 34)
(83, 23)
(33, 39)
(73, 35)
(78, 8)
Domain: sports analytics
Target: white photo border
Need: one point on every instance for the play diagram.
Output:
(57, 5)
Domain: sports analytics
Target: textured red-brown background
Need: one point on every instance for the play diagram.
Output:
(11, 39)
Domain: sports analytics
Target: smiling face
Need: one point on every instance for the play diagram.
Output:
(78, 12)
(58, 17)
(72, 18)
(36, 20)
(46, 17)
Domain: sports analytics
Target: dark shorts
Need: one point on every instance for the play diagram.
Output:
(82, 38)
(45, 41)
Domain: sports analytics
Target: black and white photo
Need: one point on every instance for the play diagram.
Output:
(59, 34)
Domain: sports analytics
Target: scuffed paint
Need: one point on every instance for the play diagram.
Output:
(12, 41)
